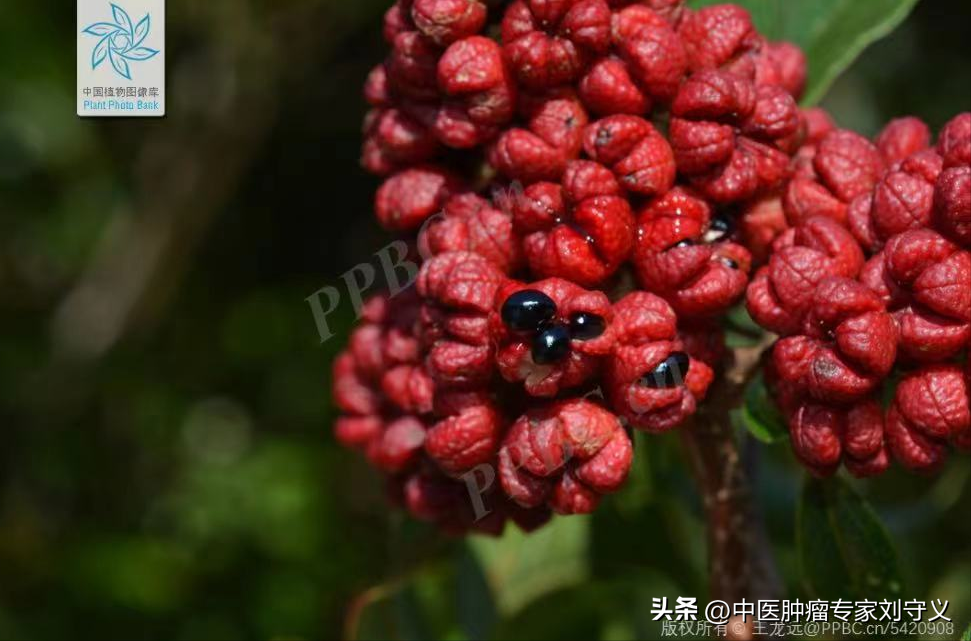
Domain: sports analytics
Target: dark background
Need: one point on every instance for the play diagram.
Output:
(166, 463)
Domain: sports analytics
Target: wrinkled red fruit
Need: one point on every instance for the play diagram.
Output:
(458, 289)
(580, 229)
(925, 280)
(929, 409)
(565, 455)
(551, 352)
(823, 436)
(689, 256)
(847, 347)
(649, 379)
(781, 292)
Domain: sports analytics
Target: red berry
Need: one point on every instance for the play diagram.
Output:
(542, 151)
(459, 289)
(688, 256)
(445, 21)
(639, 156)
(516, 356)
(954, 141)
(929, 408)
(408, 198)
(565, 455)
(714, 35)
(901, 138)
(646, 337)
(470, 223)
(549, 42)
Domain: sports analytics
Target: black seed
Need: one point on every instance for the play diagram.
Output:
(551, 344)
(527, 310)
(720, 229)
(585, 326)
(670, 373)
(731, 263)
(687, 242)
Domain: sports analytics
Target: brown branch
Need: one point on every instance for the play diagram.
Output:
(740, 563)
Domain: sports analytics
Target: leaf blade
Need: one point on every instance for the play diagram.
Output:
(759, 414)
(475, 606)
(832, 33)
(833, 50)
(522, 568)
(844, 550)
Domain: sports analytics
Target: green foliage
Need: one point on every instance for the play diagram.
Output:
(437, 601)
(833, 33)
(740, 329)
(523, 567)
(477, 614)
(759, 413)
(844, 549)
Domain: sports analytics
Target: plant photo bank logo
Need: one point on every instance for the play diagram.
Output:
(120, 42)
(121, 58)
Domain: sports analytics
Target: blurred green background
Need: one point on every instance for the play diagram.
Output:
(166, 464)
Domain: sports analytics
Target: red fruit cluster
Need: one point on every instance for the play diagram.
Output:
(589, 184)
(904, 207)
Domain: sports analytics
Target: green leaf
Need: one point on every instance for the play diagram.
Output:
(415, 606)
(639, 490)
(614, 608)
(844, 549)
(740, 329)
(521, 568)
(839, 33)
(474, 604)
(766, 14)
(735, 339)
(832, 33)
(759, 413)
(739, 318)
(967, 633)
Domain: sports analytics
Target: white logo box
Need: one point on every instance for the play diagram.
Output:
(121, 58)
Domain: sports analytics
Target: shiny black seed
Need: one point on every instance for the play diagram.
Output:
(687, 242)
(670, 373)
(585, 326)
(729, 262)
(527, 310)
(551, 344)
(720, 229)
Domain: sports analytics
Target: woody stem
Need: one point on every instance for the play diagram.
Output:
(740, 562)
